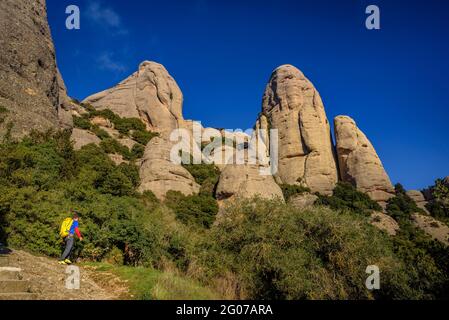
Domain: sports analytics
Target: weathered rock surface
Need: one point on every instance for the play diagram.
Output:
(292, 105)
(150, 94)
(64, 104)
(358, 161)
(127, 142)
(160, 175)
(82, 138)
(303, 201)
(29, 85)
(436, 229)
(245, 181)
(384, 222)
(102, 122)
(419, 199)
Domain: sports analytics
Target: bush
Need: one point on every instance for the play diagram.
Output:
(206, 175)
(439, 205)
(125, 125)
(347, 197)
(402, 206)
(198, 210)
(100, 133)
(279, 252)
(81, 123)
(112, 146)
(137, 151)
(290, 190)
(143, 136)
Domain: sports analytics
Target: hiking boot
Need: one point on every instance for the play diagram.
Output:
(67, 261)
(62, 262)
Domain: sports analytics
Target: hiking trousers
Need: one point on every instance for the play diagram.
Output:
(69, 242)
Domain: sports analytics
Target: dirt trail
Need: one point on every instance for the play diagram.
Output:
(48, 279)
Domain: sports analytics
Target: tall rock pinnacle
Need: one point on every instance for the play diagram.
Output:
(359, 163)
(292, 105)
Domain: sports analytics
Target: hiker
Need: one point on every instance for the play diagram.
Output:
(68, 230)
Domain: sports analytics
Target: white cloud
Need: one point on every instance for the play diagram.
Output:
(106, 62)
(105, 16)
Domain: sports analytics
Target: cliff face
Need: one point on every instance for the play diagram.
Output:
(31, 92)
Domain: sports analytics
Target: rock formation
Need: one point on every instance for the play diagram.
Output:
(64, 104)
(292, 105)
(384, 222)
(82, 138)
(150, 94)
(303, 201)
(160, 175)
(419, 199)
(30, 89)
(245, 181)
(359, 162)
(434, 228)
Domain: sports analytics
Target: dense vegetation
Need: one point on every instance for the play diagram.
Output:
(42, 178)
(291, 190)
(346, 197)
(264, 249)
(427, 259)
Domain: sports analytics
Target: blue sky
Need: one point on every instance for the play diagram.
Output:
(393, 81)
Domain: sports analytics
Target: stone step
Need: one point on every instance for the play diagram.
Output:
(18, 296)
(14, 286)
(4, 261)
(9, 273)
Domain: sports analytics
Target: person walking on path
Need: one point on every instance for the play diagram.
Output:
(69, 239)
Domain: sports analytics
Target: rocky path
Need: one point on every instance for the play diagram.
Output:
(24, 276)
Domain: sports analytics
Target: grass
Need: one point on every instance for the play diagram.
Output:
(152, 284)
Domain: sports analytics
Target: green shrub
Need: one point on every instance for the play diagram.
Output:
(143, 136)
(401, 206)
(291, 190)
(100, 133)
(202, 172)
(137, 151)
(206, 175)
(112, 146)
(125, 125)
(199, 210)
(88, 107)
(81, 123)
(131, 171)
(347, 197)
(114, 257)
(278, 252)
(439, 205)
